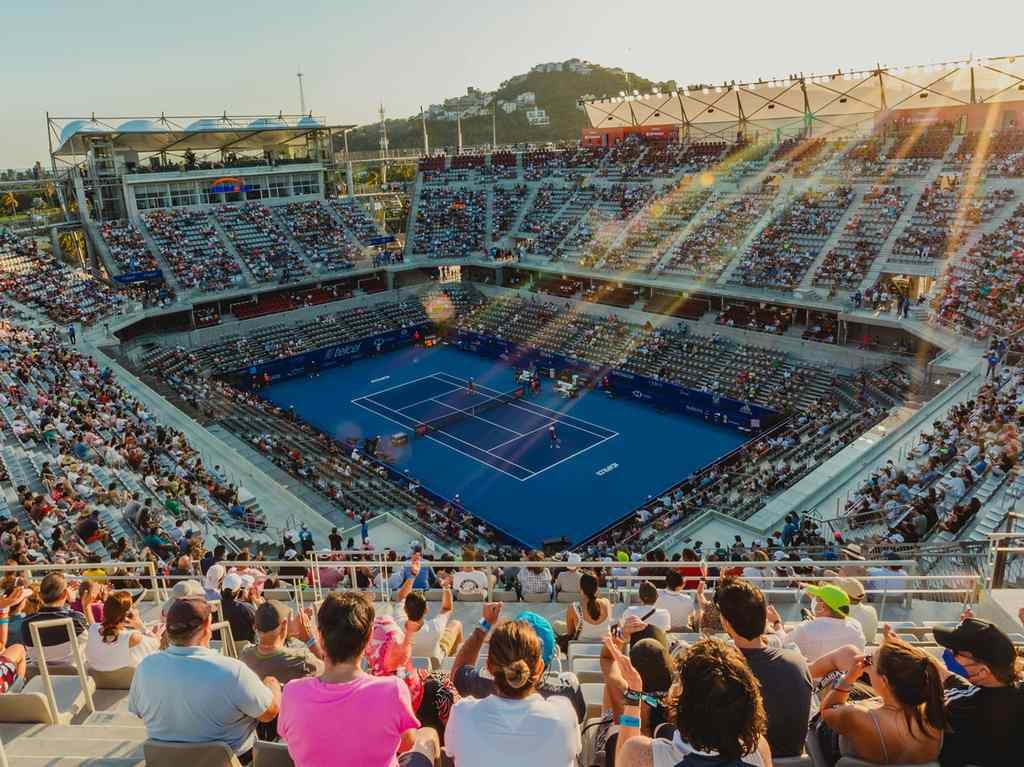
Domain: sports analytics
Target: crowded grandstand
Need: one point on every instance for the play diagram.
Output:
(695, 442)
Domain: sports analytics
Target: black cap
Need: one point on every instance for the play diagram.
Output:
(983, 640)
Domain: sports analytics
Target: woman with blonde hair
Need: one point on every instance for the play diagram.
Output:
(515, 726)
(121, 640)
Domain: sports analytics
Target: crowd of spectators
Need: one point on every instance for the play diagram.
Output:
(127, 247)
(784, 250)
(709, 247)
(847, 264)
(40, 280)
(935, 489)
(981, 292)
(261, 242)
(189, 242)
(325, 241)
(449, 222)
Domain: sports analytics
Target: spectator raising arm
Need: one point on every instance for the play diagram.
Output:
(469, 652)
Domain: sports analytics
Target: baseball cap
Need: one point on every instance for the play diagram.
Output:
(247, 581)
(270, 615)
(181, 589)
(831, 595)
(984, 640)
(853, 587)
(232, 582)
(573, 558)
(544, 631)
(291, 554)
(187, 614)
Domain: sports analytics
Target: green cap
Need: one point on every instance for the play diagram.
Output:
(831, 595)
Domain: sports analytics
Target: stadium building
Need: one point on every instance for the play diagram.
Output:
(773, 325)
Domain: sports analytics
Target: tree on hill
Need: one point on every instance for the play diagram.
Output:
(555, 92)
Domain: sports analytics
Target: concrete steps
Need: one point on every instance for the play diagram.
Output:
(229, 246)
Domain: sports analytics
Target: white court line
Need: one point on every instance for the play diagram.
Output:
(574, 455)
(474, 416)
(495, 447)
(414, 404)
(450, 447)
(548, 412)
(399, 386)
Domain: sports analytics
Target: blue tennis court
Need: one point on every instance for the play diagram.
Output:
(614, 453)
(512, 436)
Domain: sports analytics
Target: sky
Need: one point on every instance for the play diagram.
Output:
(143, 57)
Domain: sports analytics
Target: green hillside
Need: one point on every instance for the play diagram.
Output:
(556, 92)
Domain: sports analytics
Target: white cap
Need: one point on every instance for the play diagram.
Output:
(247, 581)
(291, 554)
(637, 557)
(232, 582)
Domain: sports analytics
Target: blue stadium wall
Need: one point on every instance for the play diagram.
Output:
(745, 416)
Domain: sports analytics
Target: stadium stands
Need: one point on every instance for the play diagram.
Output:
(127, 247)
(261, 242)
(189, 242)
(449, 223)
(326, 243)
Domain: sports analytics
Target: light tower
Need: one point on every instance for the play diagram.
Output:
(302, 94)
(383, 146)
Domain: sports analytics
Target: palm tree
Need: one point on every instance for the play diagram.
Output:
(10, 203)
(49, 193)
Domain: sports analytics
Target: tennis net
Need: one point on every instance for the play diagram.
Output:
(436, 424)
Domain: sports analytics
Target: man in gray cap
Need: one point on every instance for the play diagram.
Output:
(286, 646)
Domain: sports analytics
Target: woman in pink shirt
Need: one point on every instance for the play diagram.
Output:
(346, 716)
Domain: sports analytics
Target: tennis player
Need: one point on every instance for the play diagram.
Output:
(553, 440)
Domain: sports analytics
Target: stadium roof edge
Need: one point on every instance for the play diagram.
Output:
(73, 136)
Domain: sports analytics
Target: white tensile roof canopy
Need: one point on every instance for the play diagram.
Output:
(74, 136)
(836, 103)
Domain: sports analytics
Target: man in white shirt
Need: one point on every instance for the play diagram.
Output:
(680, 606)
(647, 610)
(437, 637)
(831, 628)
(864, 614)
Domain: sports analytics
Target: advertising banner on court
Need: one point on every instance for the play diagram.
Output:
(745, 416)
(316, 360)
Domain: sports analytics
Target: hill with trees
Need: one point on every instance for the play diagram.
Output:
(556, 92)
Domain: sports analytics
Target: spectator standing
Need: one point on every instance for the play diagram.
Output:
(782, 673)
(369, 717)
(516, 725)
(192, 694)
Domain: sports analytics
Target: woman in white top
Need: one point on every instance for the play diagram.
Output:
(120, 640)
(591, 617)
(515, 726)
(719, 714)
